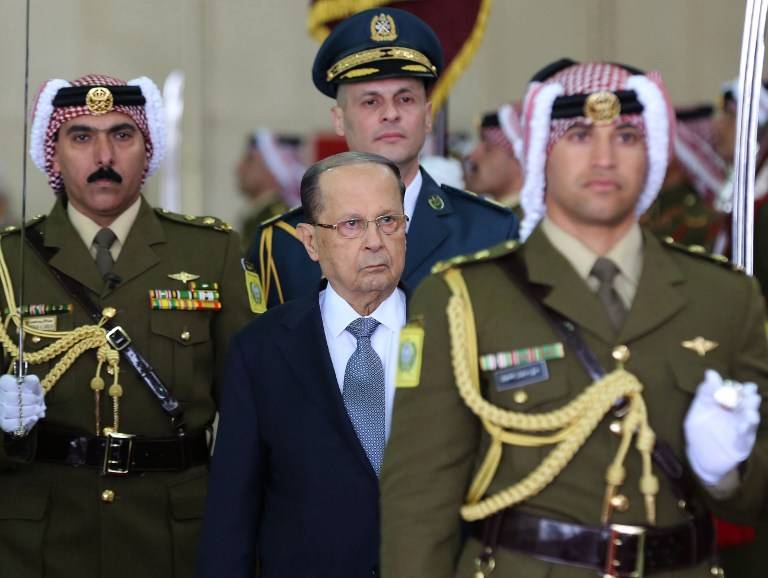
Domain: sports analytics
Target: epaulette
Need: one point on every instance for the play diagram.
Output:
(284, 217)
(700, 252)
(206, 222)
(14, 229)
(488, 254)
(475, 197)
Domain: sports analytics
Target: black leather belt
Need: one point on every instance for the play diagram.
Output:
(122, 454)
(614, 550)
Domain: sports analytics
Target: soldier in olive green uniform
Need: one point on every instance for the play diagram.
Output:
(96, 478)
(684, 208)
(556, 421)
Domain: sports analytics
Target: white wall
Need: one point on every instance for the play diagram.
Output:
(247, 63)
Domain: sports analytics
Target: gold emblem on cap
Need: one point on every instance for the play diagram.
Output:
(383, 28)
(99, 100)
(602, 107)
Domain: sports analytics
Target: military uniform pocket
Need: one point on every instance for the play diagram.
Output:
(688, 374)
(187, 501)
(542, 391)
(22, 528)
(180, 346)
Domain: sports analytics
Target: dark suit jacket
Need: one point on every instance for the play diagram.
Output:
(465, 223)
(290, 484)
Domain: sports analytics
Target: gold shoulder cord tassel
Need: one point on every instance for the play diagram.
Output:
(567, 428)
(69, 344)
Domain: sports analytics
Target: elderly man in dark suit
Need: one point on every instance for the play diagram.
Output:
(294, 480)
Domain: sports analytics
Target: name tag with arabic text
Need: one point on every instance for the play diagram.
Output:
(520, 375)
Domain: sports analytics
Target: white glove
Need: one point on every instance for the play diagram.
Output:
(721, 426)
(32, 403)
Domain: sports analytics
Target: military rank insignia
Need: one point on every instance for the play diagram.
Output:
(198, 296)
(256, 297)
(409, 355)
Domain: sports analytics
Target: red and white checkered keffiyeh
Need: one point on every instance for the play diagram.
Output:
(285, 164)
(495, 136)
(733, 88)
(509, 134)
(694, 149)
(47, 121)
(541, 132)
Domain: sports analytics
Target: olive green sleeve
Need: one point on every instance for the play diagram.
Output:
(430, 456)
(235, 311)
(750, 365)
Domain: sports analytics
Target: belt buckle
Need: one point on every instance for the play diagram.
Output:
(615, 540)
(118, 338)
(118, 452)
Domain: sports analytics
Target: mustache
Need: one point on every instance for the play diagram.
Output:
(107, 173)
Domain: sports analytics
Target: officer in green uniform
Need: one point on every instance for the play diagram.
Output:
(556, 399)
(127, 313)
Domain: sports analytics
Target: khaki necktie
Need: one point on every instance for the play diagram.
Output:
(605, 271)
(103, 241)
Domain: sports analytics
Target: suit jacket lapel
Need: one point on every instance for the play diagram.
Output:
(315, 372)
(137, 255)
(427, 231)
(568, 294)
(72, 257)
(658, 295)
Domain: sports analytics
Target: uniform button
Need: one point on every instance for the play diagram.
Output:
(109, 312)
(620, 502)
(35, 339)
(615, 427)
(185, 335)
(107, 496)
(620, 353)
(520, 396)
(682, 504)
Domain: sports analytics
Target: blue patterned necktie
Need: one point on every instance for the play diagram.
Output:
(364, 391)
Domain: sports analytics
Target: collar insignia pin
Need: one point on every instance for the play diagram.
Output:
(436, 202)
(700, 345)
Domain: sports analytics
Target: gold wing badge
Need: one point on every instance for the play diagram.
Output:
(700, 345)
(183, 276)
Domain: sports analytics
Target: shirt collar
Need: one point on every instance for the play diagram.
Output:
(87, 228)
(411, 196)
(627, 254)
(338, 314)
